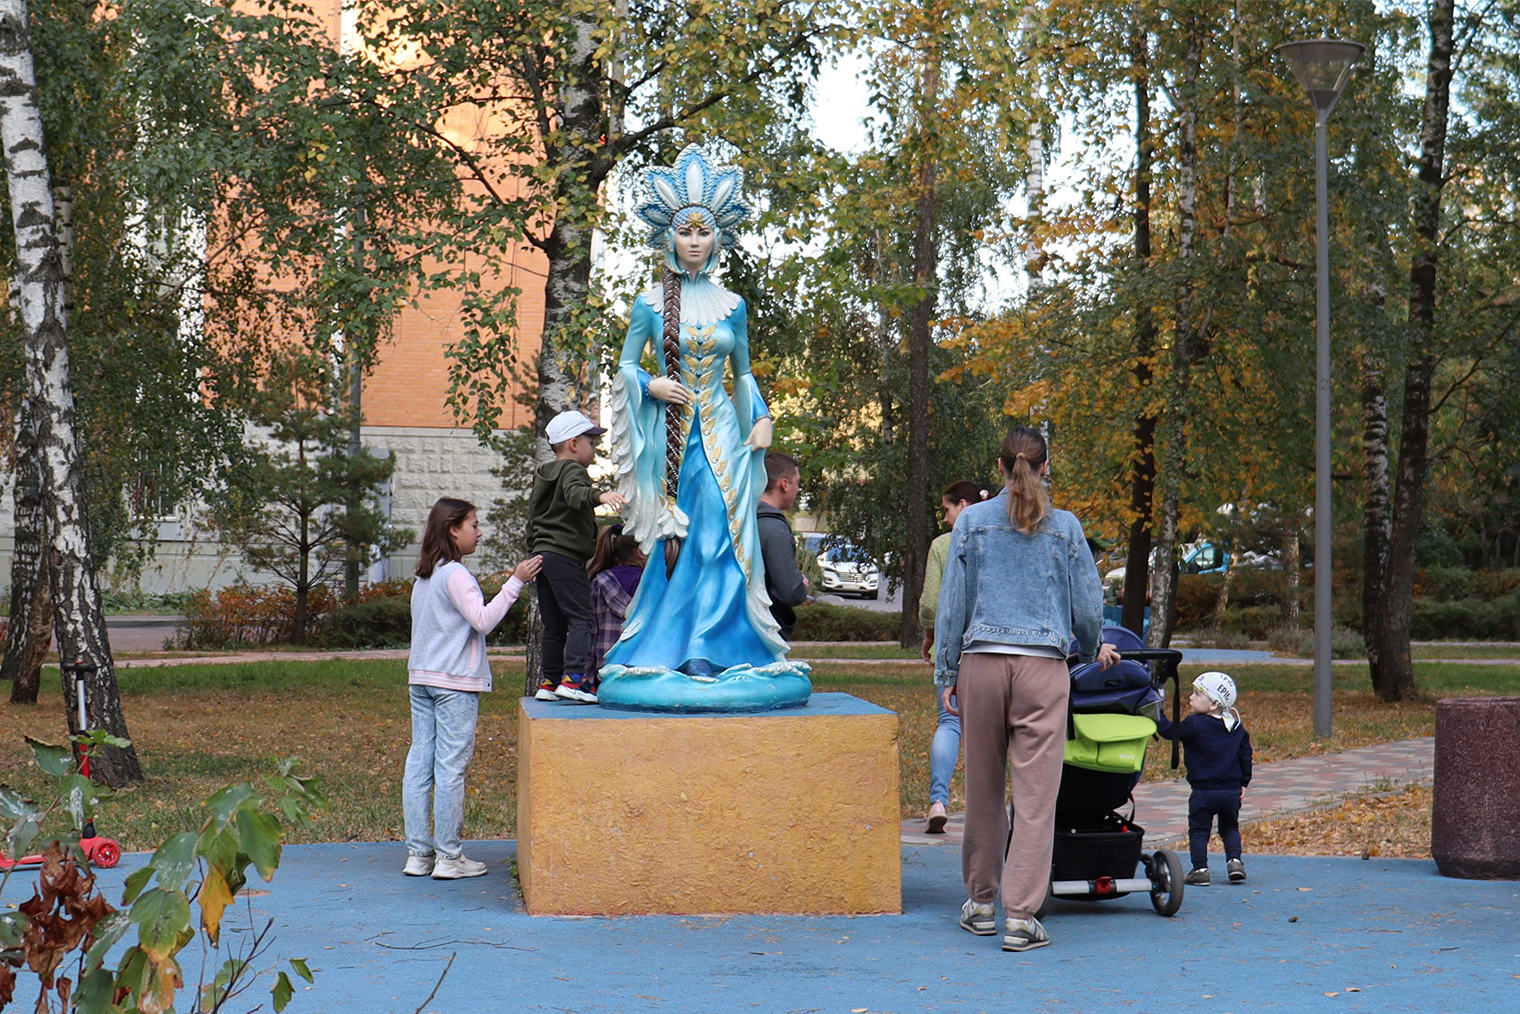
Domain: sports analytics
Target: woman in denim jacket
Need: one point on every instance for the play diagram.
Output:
(1019, 584)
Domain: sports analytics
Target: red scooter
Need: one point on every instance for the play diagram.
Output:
(102, 852)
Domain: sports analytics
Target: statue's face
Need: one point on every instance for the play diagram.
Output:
(694, 244)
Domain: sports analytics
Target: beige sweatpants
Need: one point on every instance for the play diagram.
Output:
(1013, 707)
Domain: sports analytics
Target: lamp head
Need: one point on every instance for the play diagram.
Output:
(1322, 66)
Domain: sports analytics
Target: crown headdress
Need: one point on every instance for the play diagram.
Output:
(694, 185)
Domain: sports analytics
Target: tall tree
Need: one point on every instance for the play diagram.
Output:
(78, 617)
(1396, 667)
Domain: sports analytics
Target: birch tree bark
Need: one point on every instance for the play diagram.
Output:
(1143, 453)
(78, 617)
(31, 618)
(1396, 670)
(1184, 354)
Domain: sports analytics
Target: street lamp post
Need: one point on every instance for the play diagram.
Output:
(1322, 67)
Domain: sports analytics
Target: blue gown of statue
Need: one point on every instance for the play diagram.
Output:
(701, 638)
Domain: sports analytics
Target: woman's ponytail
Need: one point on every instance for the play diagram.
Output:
(1023, 452)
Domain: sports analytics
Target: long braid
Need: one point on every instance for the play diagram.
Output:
(674, 444)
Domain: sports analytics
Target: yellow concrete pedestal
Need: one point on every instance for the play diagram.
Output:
(789, 812)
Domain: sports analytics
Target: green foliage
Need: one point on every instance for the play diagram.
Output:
(378, 623)
(819, 621)
(304, 501)
(186, 888)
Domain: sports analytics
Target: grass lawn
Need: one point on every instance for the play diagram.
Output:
(1459, 650)
(198, 727)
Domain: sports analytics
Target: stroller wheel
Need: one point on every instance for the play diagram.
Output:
(1166, 881)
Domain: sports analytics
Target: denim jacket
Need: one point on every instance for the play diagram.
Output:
(1004, 586)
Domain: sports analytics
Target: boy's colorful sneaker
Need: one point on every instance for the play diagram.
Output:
(576, 687)
(419, 866)
(978, 919)
(1024, 934)
(1198, 877)
(546, 691)
(1237, 871)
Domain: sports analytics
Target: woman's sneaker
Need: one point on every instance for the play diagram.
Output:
(1024, 934)
(546, 691)
(937, 819)
(1237, 871)
(1198, 877)
(978, 919)
(419, 866)
(576, 688)
(457, 868)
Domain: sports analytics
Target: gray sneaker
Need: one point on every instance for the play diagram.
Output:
(418, 866)
(1024, 934)
(457, 868)
(1198, 877)
(1236, 870)
(978, 919)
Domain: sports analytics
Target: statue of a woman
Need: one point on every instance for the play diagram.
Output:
(699, 635)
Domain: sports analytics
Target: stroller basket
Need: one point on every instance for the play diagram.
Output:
(1110, 848)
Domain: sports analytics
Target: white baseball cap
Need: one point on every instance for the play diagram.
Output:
(1217, 687)
(571, 424)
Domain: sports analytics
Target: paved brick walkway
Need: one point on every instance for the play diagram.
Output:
(1284, 787)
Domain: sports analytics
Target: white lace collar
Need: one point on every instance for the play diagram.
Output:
(703, 301)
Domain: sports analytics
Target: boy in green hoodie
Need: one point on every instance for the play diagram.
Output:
(562, 529)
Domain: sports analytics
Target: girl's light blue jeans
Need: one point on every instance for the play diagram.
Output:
(443, 741)
(943, 753)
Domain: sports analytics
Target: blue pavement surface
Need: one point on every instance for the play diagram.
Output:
(1304, 934)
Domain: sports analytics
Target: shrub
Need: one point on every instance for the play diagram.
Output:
(1256, 622)
(1466, 619)
(1454, 584)
(1196, 595)
(1299, 642)
(375, 623)
(382, 618)
(820, 621)
(1215, 637)
(243, 615)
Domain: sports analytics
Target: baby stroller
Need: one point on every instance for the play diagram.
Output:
(1110, 721)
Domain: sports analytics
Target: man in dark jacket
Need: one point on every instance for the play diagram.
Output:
(785, 583)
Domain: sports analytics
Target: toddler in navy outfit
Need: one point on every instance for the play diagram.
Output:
(1217, 751)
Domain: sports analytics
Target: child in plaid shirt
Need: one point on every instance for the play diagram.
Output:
(615, 570)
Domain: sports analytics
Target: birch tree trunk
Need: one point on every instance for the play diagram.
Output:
(78, 617)
(1395, 669)
(581, 124)
(31, 603)
(1184, 353)
(1377, 520)
(926, 280)
(1292, 562)
(1143, 453)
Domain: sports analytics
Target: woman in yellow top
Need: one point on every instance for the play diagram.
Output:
(946, 747)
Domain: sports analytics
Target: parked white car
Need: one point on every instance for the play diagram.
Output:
(847, 569)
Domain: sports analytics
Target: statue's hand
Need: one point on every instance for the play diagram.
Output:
(665, 389)
(761, 434)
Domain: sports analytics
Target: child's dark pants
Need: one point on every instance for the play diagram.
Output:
(1203, 806)
(564, 601)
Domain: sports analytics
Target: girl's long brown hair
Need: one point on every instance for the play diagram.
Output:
(614, 549)
(437, 544)
(1023, 453)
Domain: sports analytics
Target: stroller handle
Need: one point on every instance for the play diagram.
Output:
(1170, 659)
